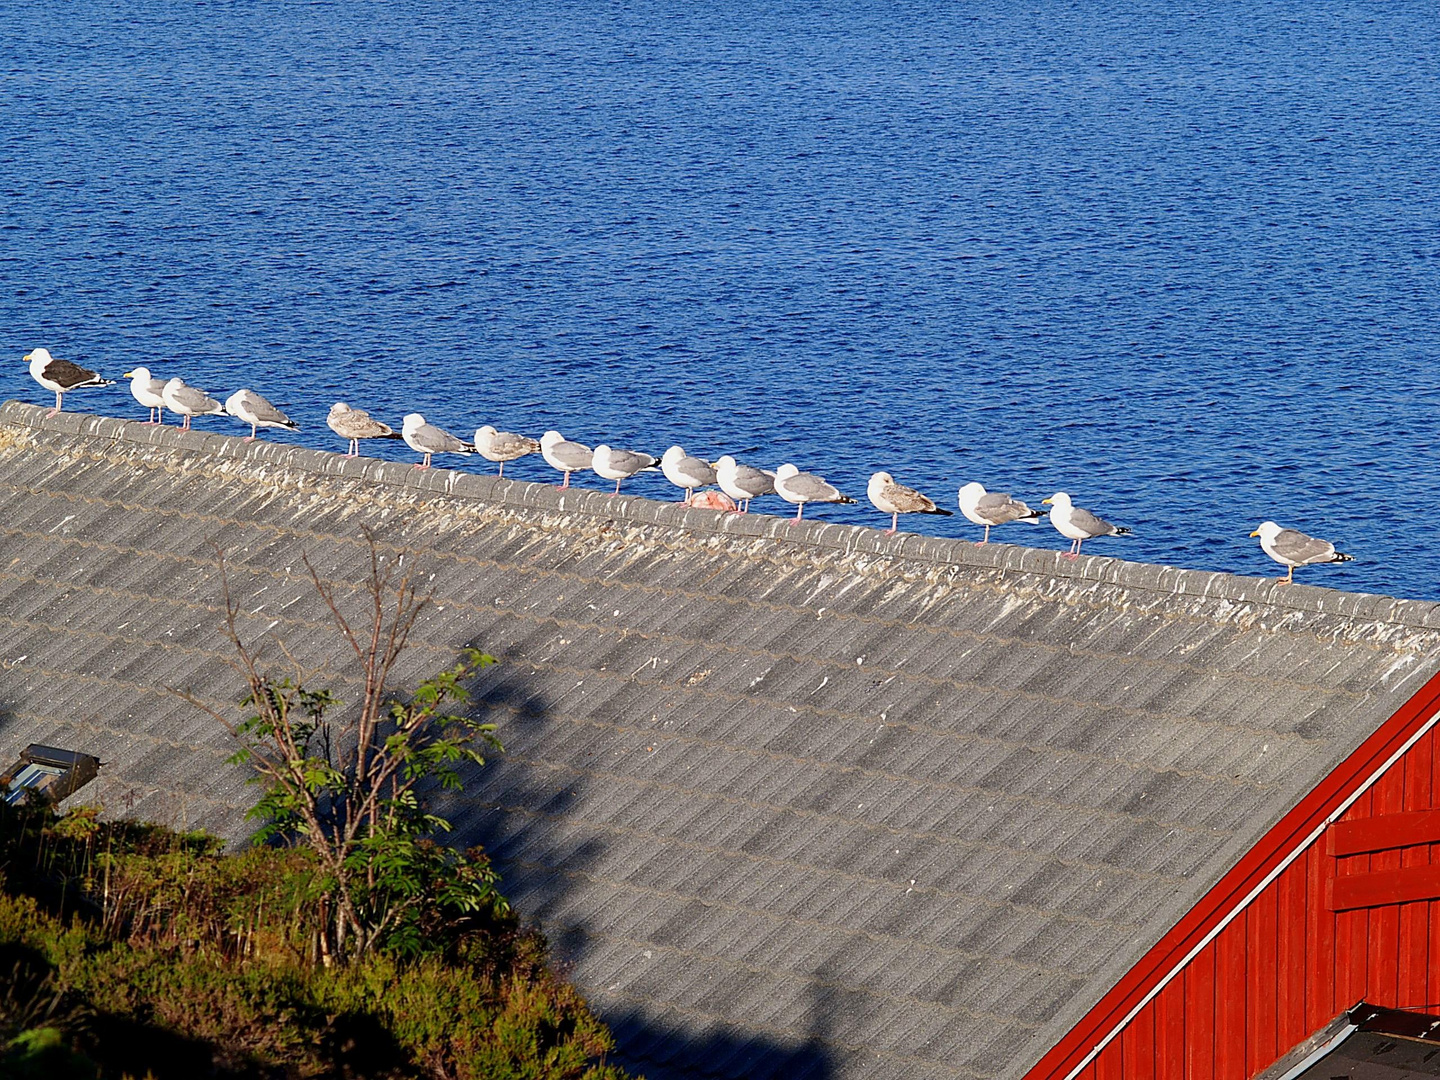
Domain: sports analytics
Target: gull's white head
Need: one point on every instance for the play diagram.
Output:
(551, 437)
(1060, 500)
(878, 483)
(141, 373)
(37, 356)
(602, 451)
(1267, 531)
(674, 454)
(413, 423)
(726, 463)
(485, 431)
(174, 384)
(786, 470)
(339, 409)
(970, 494)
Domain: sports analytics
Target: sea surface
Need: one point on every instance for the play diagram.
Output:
(1181, 261)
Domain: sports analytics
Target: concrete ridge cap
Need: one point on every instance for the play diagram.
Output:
(849, 539)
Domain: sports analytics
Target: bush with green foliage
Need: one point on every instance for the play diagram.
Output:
(132, 951)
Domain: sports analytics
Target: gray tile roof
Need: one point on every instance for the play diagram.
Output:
(793, 801)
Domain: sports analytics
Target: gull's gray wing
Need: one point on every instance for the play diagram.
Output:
(755, 481)
(1296, 547)
(1087, 522)
(573, 456)
(998, 508)
(196, 400)
(438, 441)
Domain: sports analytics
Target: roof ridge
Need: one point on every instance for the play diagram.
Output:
(848, 539)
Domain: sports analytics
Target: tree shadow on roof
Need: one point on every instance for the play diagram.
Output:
(556, 844)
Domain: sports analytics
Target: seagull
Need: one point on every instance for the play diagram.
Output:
(428, 439)
(146, 391)
(743, 482)
(60, 376)
(990, 508)
(1076, 524)
(189, 401)
(1291, 548)
(357, 424)
(620, 465)
(686, 472)
(252, 409)
(800, 488)
(503, 446)
(566, 456)
(895, 499)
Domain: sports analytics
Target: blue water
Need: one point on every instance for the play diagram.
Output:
(1181, 263)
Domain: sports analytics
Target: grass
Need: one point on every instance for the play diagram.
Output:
(130, 951)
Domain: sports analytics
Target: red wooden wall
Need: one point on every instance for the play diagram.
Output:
(1324, 934)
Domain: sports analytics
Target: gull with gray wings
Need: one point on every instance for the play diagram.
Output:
(1292, 548)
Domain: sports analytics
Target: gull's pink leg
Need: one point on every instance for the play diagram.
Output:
(617, 489)
(894, 523)
(566, 484)
(502, 470)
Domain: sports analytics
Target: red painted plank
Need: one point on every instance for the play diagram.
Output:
(1352, 891)
(1170, 1032)
(1200, 1016)
(1290, 952)
(1411, 978)
(1383, 967)
(1260, 991)
(1306, 816)
(1320, 1005)
(1110, 1065)
(1229, 949)
(1384, 832)
(1138, 1043)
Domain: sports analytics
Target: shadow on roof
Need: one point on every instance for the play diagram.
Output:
(555, 871)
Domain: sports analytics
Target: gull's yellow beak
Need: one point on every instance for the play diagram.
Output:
(1046, 502)
(1255, 533)
(128, 375)
(26, 357)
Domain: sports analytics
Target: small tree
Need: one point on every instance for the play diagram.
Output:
(352, 787)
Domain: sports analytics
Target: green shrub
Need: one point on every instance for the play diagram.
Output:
(127, 951)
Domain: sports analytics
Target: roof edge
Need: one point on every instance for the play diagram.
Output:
(1296, 830)
(848, 539)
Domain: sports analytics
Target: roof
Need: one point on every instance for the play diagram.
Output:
(791, 800)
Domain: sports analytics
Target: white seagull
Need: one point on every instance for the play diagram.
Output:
(1291, 548)
(189, 401)
(620, 465)
(743, 482)
(250, 408)
(356, 424)
(146, 390)
(1077, 524)
(428, 439)
(800, 488)
(990, 508)
(895, 499)
(566, 456)
(61, 376)
(686, 472)
(503, 446)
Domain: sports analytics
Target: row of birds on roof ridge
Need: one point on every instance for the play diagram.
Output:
(740, 483)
